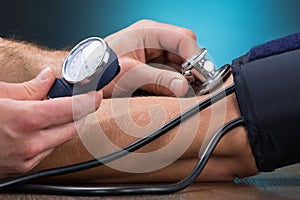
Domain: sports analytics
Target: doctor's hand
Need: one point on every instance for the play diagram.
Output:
(30, 127)
(150, 55)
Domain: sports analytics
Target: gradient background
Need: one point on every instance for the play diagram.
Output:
(227, 28)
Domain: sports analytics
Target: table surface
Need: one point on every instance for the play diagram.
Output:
(281, 184)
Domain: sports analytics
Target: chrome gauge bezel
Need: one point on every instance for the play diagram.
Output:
(102, 62)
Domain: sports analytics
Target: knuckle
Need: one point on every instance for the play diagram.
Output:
(72, 131)
(30, 91)
(23, 167)
(31, 150)
(144, 21)
(78, 110)
(31, 123)
(159, 77)
(161, 85)
(189, 33)
(32, 120)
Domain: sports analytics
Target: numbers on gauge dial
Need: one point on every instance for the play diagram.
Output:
(85, 61)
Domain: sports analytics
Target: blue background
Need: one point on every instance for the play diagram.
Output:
(227, 28)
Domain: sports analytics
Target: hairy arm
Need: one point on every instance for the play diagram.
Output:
(122, 121)
(21, 61)
(169, 158)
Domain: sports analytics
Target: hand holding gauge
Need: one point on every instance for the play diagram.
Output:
(92, 64)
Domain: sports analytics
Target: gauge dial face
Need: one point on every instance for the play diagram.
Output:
(84, 60)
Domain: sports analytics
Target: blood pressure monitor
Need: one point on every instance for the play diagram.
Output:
(89, 66)
(92, 64)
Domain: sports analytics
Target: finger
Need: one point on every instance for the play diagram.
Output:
(145, 23)
(36, 115)
(158, 81)
(175, 42)
(147, 34)
(168, 37)
(48, 139)
(25, 164)
(72, 108)
(35, 89)
(33, 162)
(164, 82)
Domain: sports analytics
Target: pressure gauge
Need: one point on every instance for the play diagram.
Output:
(90, 65)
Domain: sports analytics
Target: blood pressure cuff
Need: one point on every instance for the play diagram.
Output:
(267, 81)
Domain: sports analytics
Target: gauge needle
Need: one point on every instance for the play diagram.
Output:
(84, 60)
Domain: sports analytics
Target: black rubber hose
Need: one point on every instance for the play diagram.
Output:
(123, 152)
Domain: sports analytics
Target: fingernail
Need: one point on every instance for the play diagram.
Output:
(176, 86)
(44, 74)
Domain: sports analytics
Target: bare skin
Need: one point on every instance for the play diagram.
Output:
(232, 157)
(31, 127)
(24, 151)
(21, 61)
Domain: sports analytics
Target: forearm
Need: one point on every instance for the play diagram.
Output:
(232, 157)
(22, 61)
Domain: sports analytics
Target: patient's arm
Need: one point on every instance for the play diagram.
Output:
(231, 158)
(21, 61)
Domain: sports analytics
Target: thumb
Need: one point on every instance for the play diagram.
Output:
(35, 89)
(164, 82)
